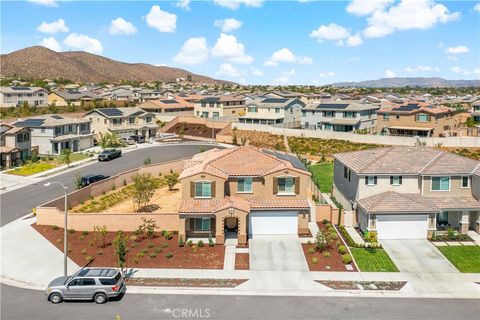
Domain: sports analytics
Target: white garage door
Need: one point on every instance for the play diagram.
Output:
(273, 223)
(402, 226)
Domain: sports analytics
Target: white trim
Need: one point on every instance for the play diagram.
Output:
(449, 183)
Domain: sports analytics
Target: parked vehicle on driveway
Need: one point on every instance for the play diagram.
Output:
(107, 155)
(128, 141)
(97, 284)
(138, 138)
(91, 178)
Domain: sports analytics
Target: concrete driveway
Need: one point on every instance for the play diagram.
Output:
(417, 256)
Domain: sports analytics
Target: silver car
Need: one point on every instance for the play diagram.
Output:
(96, 284)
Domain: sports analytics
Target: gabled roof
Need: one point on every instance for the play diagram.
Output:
(48, 120)
(118, 112)
(393, 202)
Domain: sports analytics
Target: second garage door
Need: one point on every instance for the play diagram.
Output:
(402, 226)
(273, 223)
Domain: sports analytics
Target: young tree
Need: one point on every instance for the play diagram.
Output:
(77, 179)
(322, 239)
(120, 243)
(144, 186)
(66, 153)
(172, 180)
(103, 231)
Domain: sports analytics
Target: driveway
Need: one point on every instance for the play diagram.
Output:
(417, 256)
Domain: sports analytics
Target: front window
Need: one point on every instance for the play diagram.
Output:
(422, 117)
(395, 180)
(252, 109)
(371, 180)
(465, 182)
(286, 185)
(203, 189)
(215, 115)
(244, 185)
(349, 114)
(131, 120)
(277, 110)
(440, 184)
(117, 122)
(148, 119)
(202, 224)
(23, 137)
(329, 114)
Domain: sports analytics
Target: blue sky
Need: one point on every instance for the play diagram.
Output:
(261, 42)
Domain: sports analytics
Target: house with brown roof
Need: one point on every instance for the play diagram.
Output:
(214, 107)
(15, 145)
(242, 192)
(408, 192)
(167, 106)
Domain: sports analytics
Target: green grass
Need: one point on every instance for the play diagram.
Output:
(376, 261)
(322, 175)
(464, 258)
(31, 168)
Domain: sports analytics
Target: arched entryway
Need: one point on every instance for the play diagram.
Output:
(231, 227)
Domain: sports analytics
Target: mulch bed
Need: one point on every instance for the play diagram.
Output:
(333, 263)
(363, 285)
(242, 261)
(185, 282)
(83, 246)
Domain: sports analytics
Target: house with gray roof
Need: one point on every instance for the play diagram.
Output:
(340, 116)
(16, 96)
(273, 111)
(72, 97)
(405, 192)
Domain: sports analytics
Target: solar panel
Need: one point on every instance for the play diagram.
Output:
(57, 117)
(274, 100)
(408, 107)
(30, 123)
(20, 88)
(332, 106)
(294, 160)
(111, 112)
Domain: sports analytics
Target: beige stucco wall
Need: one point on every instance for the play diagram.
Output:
(410, 184)
(455, 188)
(219, 184)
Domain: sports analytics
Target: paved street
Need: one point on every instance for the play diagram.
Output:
(28, 304)
(20, 202)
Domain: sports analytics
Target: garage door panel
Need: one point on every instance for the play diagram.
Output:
(273, 223)
(402, 226)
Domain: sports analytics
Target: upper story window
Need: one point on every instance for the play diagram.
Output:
(277, 110)
(346, 173)
(131, 120)
(23, 137)
(252, 109)
(329, 114)
(204, 104)
(440, 184)
(386, 116)
(203, 189)
(422, 117)
(59, 131)
(349, 114)
(84, 126)
(148, 119)
(117, 122)
(211, 104)
(244, 185)
(70, 128)
(465, 182)
(286, 185)
(396, 180)
(371, 180)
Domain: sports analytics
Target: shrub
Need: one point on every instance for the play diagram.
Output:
(311, 250)
(164, 245)
(150, 245)
(334, 236)
(92, 243)
(89, 258)
(85, 232)
(328, 225)
(194, 249)
(120, 243)
(347, 237)
(321, 240)
(200, 243)
(169, 255)
(71, 230)
(157, 250)
(189, 243)
(153, 255)
(210, 240)
(144, 250)
(135, 260)
(451, 233)
(167, 235)
(180, 241)
(81, 238)
(325, 221)
(171, 180)
(54, 227)
(347, 259)
(331, 230)
(342, 249)
(140, 254)
(309, 242)
(162, 233)
(326, 255)
(315, 260)
(149, 226)
(84, 251)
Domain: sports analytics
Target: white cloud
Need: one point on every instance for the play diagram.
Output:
(121, 26)
(457, 49)
(367, 7)
(407, 14)
(330, 32)
(462, 71)
(477, 7)
(228, 70)
(83, 42)
(183, 4)
(476, 71)
(235, 4)
(285, 55)
(51, 44)
(47, 3)
(53, 27)
(390, 74)
(194, 51)
(256, 72)
(228, 25)
(284, 77)
(161, 20)
(422, 69)
(229, 48)
(354, 41)
(329, 74)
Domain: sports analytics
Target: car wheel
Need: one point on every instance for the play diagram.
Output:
(100, 298)
(55, 298)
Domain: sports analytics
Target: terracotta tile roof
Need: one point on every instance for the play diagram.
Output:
(393, 202)
(203, 206)
(260, 203)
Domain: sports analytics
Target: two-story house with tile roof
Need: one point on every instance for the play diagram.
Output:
(243, 191)
(72, 97)
(408, 192)
(167, 106)
(15, 145)
(220, 106)
(273, 111)
(16, 96)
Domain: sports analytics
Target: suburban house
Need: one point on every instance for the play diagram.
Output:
(52, 133)
(123, 121)
(16, 96)
(273, 111)
(15, 145)
(72, 97)
(167, 106)
(219, 106)
(475, 111)
(419, 119)
(344, 117)
(244, 192)
(408, 192)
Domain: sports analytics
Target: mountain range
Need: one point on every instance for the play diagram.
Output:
(411, 82)
(41, 63)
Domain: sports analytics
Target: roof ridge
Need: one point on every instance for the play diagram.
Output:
(440, 152)
(387, 149)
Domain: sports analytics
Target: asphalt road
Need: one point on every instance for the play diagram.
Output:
(29, 304)
(20, 202)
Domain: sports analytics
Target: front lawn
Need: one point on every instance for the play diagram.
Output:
(322, 175)
(464, 258)
(373, 261)
(32, 168)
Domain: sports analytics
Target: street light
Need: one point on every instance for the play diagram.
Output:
(65, 247)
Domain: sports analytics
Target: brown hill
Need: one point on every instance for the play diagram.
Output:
(42, 63)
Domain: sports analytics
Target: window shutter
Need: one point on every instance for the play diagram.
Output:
(391, 179)
(400, 179)
(213, 189)
(375, 180)
(192, 189)
(297, 185)
(275, 185)
(366, 180)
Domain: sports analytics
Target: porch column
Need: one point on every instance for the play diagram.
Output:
(219, 229)
(477, 223)
(181, 229)
(463, 223)
(242, 229)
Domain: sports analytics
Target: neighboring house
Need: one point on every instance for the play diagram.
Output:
(15, 145)
(123, 121)
(419, 119)
(52, 133)
(167, 106)
(408, 192)
(72, 97)
(243, 191)
(16, 96)
(273, 111)
(475, 111)
(219, 106)
(345, 117)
